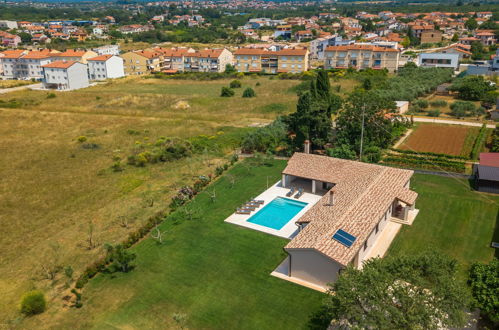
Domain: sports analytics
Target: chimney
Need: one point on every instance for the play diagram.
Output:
(306, 148)
(331, 198)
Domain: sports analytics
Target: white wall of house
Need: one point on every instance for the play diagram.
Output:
(101, 70)
(108, 50)
(74, 77)
(312, 266)
(440, 60)
(8, 67)
(373, 236)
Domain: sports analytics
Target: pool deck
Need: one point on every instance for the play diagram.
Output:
(290, 229)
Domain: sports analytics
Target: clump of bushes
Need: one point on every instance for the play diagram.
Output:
(272, 138)
(81, 139)
(51, 96)
(434, 113)
(430, 163)
(438, 103)
(249, 92)
(33, 302)
(423, 104)
(227, 92)
(479, 142)
(235, 84)
(163, 150)
(460, 109)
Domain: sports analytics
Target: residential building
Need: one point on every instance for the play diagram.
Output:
(135, 28)
(105, 67)
(8, 24)
(190, 60)
(439, 60)
(303, 35)
(7, 62)
(431, 36)
(9, 39)
(362, 57)
(486, 37)
(486, 172)
(319, 45)
(355, 213)
(283, 31)
(74, 55)
(464, 51)
(65, 75)
(23, 64)
(291, 60)
(107, 50)
(142, 62)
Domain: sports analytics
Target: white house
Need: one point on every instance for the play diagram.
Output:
(107, 50)
(8, 24)
(65, 75)
(439, 60)
(105, 67)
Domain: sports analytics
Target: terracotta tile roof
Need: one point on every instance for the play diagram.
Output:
(59, 64)
(36, 55)
(71, 53)
(489, 159)
(100, 58)
(148, 54)
(362, 194)
(250, 51)
(371, 48)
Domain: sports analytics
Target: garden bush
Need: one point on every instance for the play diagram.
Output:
(480, 140)
(438, 103)
(423, 104)
(249, 92)
(434, 113)
(268, 138)
(33, 302)
(227, 92)
(235, 84)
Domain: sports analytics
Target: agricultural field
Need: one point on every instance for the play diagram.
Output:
(454, 140)
(57, 192)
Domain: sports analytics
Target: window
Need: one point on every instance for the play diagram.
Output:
(284, 65)
(365, 245)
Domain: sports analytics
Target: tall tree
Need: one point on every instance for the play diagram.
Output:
(484, 282)
(471, 24)
(377, 128)
(405, 292)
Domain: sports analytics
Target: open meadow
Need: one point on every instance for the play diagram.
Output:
(58, 191)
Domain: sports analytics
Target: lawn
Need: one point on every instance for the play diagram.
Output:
(215, 273)
(453, 219)
(453, 140)
(53, 191)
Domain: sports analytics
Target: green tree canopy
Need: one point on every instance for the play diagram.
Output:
(405, 292)
(484, 282)
(473, 88)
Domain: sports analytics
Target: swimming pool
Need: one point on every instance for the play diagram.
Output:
(277, 213)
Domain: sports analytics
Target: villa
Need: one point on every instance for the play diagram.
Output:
(348, 212)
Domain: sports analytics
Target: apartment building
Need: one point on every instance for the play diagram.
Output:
(291, 60)
(108, 50)
(9, 39)
(105, 67)
(25, 64)
(439, 60)
(65, 75)
(75, 55)
(190, 60)
(142, 62)
(362, 57)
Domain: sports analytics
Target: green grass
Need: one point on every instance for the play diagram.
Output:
(453, 219)
(216, 273)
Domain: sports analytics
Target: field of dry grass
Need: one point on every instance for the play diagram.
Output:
(14, 83)
(53, 191)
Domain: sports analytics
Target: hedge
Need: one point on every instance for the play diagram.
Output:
(433, 164)
(479, 141)
(426, 153)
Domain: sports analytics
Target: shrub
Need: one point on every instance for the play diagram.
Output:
(51, 96)
(423, 104)
(82, 139)
(249, 92)
(33, 302)
(257, 84)
(227, 92)
(461, 109)
(235, 84)
(478, 145)
(434, 113)
(438, 103)
(271, 137)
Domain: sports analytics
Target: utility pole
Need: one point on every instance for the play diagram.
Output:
(362, 132)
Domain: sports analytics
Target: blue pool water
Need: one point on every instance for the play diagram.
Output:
(277, 213)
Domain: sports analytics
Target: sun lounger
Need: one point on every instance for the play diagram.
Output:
(248, 207)
(241, 211)
(252, 204)
(291, 192)
(257, 201)
(299, 193)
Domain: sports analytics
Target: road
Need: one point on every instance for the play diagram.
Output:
(20, 88)
(450, 122)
